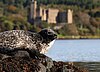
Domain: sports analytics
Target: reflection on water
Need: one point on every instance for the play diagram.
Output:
(91, 66)
(85, 53)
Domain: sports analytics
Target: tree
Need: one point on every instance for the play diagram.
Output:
(8, 25)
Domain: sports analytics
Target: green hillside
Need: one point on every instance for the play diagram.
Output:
(13, 15)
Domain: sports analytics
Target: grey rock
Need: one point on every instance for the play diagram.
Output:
(42, 67)
(22, 54)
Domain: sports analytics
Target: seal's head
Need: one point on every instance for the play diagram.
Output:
(48, 35)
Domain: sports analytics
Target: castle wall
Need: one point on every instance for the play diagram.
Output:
(62, 17)
(70, 16)
(35, 9)
(32, 10)
(52, 15)
(43, 14)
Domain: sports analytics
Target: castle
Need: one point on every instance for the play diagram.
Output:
(50, 15)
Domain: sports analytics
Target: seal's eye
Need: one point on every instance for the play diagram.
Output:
(49, 33)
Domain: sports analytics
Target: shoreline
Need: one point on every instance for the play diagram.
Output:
(78, 37)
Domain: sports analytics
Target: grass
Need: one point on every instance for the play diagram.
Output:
(78, 37)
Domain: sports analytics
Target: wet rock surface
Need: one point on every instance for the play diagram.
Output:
(22, 62)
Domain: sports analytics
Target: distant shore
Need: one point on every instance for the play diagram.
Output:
(78, 37)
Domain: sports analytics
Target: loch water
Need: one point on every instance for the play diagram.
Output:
(85, 52)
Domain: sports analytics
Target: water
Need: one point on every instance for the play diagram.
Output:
(85, 52)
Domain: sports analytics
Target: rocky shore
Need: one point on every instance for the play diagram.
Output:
(22, 62)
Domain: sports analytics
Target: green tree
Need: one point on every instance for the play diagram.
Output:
(8, 25)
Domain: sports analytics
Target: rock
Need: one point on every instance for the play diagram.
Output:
(42, 67)
(59, 67)
(48, 62)
(3, 56)
(22, 54)
(22, 62)
(13, 64)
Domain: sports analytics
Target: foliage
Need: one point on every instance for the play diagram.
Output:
(12, 9)
(13, 15)
(8, 25)
(87, 4)
(11, 23)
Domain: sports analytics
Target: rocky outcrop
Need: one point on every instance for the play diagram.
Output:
(22, 62)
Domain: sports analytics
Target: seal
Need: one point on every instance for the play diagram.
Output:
(14, 40)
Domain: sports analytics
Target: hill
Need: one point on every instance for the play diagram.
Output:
(86, 15)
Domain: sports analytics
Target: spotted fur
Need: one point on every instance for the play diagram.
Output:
(20, 39)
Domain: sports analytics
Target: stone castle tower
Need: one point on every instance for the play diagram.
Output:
(32, 11)
(70, 16)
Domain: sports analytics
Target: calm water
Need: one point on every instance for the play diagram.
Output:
(85, 52)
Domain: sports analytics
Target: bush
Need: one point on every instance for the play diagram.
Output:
(12, 9)
(8, 25)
